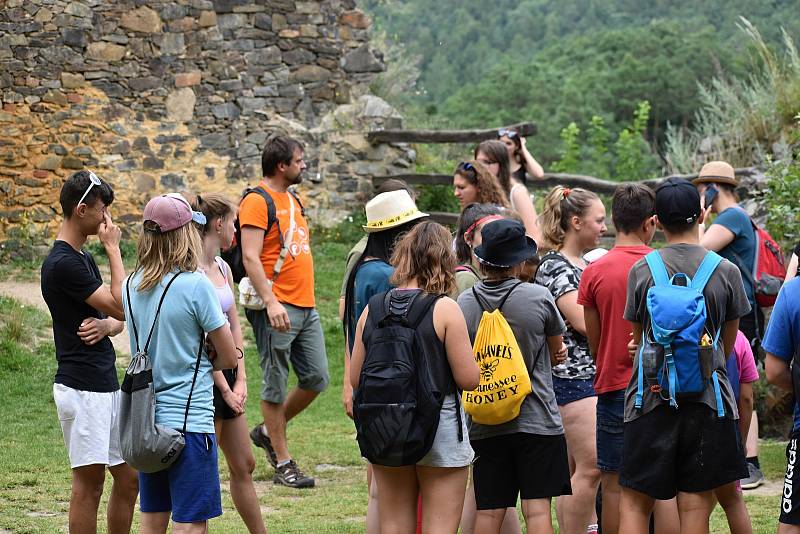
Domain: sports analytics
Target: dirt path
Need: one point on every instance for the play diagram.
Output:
(31, 294)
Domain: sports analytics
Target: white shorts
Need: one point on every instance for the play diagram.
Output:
(90, 423)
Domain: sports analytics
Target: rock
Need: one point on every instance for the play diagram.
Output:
(71, 162)
(355, 19)
(361, 60)
(74, 37)
(71, 80)
(231, 85)
(183, 25)
(187, 79)
(122, 147)
(266, 91)
(310, 73)
(172, 181)
(251, 105)
(231, 21)
(152, 163)
(298, 56)
(307, 7)
(215, 141)
(270, 55)
(228, 110)
(226, 6)
(145, 83)
(279, 22)
(143, 20)
(76, 9)
(144, 183)
(55, 97)
(50, 163)
(308, 30)
(172, 44)
(374, 106)
(263, 21)
(207, 18)
(141, 144)
(43, 15)
(289, 34)
(180, 105)
(173, 11)
(105, 51)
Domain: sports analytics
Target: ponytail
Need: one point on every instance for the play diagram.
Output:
(560, 205)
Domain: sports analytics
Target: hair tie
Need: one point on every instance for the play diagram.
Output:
(566, 192)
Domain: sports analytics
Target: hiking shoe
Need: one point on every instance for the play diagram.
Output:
(261, 439)
(290, 475)
(754, 479)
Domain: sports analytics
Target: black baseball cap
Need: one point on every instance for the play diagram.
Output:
(677, 202)
(504, 244)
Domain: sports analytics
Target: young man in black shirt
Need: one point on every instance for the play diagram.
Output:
(85, 313)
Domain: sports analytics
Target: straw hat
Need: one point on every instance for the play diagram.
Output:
(718, 172)
(389, 210)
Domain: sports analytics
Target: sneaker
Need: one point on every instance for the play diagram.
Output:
(290, 475)
(594, 528)
(261, 439)
(754, 479)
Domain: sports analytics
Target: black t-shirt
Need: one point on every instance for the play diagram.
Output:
(70, 277)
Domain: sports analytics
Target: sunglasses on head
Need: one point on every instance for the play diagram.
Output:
(93, 181)
(511, 134)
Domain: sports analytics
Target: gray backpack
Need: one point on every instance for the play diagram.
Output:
(147, 446)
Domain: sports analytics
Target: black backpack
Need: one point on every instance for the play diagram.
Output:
(397, 403)
(233, 256)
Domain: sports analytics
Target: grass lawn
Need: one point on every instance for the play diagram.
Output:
(34, 473)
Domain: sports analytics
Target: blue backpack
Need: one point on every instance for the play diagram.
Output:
(675, 346)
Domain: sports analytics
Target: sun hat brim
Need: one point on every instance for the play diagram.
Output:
(393, 222)
(515, 257)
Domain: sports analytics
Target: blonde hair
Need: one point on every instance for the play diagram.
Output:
(489, 190)
(560, 205)
(213, 206)
(159, 253)
(425, 253)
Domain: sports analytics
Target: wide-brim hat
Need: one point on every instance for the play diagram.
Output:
(169, 212)
(718, 172)
(504, 244)
(389, 210)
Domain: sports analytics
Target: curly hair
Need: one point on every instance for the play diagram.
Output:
(489, 190)
(425, 254)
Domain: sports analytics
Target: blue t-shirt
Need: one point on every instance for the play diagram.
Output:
(783, 331)
(372, 278)
(190, 308)
(743, 245)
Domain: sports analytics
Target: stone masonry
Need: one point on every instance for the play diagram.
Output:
(181, 95)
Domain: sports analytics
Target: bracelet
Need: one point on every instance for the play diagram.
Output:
(241, 354)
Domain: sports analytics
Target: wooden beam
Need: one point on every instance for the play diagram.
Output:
(444, 217)
(416, 179)
(525, 129)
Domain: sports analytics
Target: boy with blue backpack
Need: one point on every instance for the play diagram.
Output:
(681, 436)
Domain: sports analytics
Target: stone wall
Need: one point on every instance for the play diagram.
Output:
(181, 95)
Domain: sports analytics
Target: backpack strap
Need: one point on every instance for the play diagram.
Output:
(194, 379)
(155, 319)
(718, 395)
(706, 269)
(485, 305)
(657, 268)
(415, 314)
(637, 403)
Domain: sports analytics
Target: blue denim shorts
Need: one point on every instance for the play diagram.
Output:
(610, 424)
(189, 487)
(570, 390)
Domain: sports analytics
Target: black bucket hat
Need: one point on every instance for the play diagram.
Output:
(504, 244)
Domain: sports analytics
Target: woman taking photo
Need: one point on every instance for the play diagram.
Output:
(472, 182)
(494, 155)
(521, 161)
(168, 255)
(573, 220)
(424, 265)
(230, 385)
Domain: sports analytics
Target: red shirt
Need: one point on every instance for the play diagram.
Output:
(604, 286)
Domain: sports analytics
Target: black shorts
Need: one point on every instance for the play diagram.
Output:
(690, 449)
(529, 465)
(221, 408)
(790, 499)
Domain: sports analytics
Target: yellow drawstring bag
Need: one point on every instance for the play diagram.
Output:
(504, 376)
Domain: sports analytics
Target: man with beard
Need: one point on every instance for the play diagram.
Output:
(288, 330)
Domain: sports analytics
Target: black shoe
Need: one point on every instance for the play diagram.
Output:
(260, 439)
(291, 476)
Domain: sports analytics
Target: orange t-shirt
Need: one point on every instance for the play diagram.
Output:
(295, 284)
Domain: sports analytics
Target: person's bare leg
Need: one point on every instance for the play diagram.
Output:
(537, 515)
(751, 444)
(511, 522)
(634, 511)
(783, 528)
(198, 527)
(468, 514)
(609, 480)
(234, 441)
(732, 501)
(122, 501)
(87, 488)
(438, 486)
(489, 521)
(398, 491)
(560, 499)
(695, 510)
(665, 514)
(277, 415)
(373, 519)
(154, 522)
(579, 420)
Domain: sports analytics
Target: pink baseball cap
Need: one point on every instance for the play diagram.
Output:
(171, 211)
